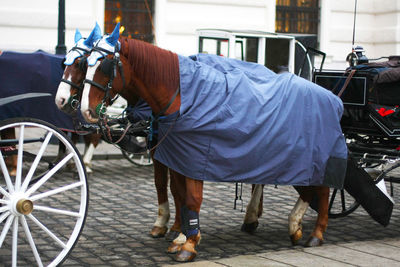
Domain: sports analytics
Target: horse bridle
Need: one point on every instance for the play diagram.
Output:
(116, 64)
(74, 100)
(101, 108)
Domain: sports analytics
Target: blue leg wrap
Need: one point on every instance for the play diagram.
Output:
(190, 222)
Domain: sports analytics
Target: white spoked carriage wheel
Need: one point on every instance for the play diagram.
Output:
(139, 159)
(43, 207)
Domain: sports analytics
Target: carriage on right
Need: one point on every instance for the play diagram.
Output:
(369, 89)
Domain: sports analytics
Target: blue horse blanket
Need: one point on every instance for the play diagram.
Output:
(241, 122)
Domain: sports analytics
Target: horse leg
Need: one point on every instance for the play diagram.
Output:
(161, 182)
(297, 213)
(190, 220)
(91, 142)
(62, 149)
(11, 161)
(254, 209)
(317, 236)
(178, 189)
(176, 184)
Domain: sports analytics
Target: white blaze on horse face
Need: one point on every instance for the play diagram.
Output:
(86, 90)
(63, 93)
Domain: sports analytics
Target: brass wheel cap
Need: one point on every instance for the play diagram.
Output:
(24, 206)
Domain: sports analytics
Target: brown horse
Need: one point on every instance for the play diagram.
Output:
(67, 99)
(142, 69)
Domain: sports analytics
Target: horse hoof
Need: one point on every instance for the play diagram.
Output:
(158, 232)
(296, 237)
(314, 242)
(249, 227)
(185, 256)
(174, 248)
(171, 235)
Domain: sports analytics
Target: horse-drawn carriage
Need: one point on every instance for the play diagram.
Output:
(370, 122)
(43, 194)
(33, 209)
(21, 197)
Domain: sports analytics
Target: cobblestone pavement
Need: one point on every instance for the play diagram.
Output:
(123, 208)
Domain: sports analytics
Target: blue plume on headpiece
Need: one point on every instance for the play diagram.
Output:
(78, 36)
(94, 36)
(113, 38)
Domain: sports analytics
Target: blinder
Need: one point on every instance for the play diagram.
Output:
(107, 67)
(82, 64)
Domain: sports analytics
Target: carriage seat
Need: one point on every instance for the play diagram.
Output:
(385, 80)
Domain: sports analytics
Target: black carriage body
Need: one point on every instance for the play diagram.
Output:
(371, 125)
(370, 109)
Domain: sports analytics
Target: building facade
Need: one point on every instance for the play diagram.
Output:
(27, 26)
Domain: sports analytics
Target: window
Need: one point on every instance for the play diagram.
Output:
(297, 16)
(135, 16)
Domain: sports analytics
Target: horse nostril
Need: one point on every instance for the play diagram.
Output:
(60, 102)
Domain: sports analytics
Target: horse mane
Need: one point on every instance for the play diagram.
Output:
(155, 66)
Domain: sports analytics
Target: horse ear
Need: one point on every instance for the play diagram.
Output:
(97, 32)
(113, 38)
(78, 36)
(94, 36)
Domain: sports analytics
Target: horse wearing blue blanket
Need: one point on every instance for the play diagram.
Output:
(224, 120)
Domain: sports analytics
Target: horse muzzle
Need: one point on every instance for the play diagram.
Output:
(90, 116)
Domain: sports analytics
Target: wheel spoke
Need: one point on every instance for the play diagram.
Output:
(58, 211)
(36, 161)
(332, 198)
(56, 191)
(49, 174)
(19, 159)
(5, 229)
(45, 229)
(3, 209)
(4, 216)
(30, 240)
(343, 200)
(15, 242)
(4, 192)
(6, 174)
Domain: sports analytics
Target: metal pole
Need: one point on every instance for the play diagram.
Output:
(354, 24)
(61, 48)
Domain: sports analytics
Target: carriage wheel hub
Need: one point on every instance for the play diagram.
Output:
(24, 206)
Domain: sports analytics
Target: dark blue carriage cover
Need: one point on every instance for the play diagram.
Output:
(26, 74)
(241, 122)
